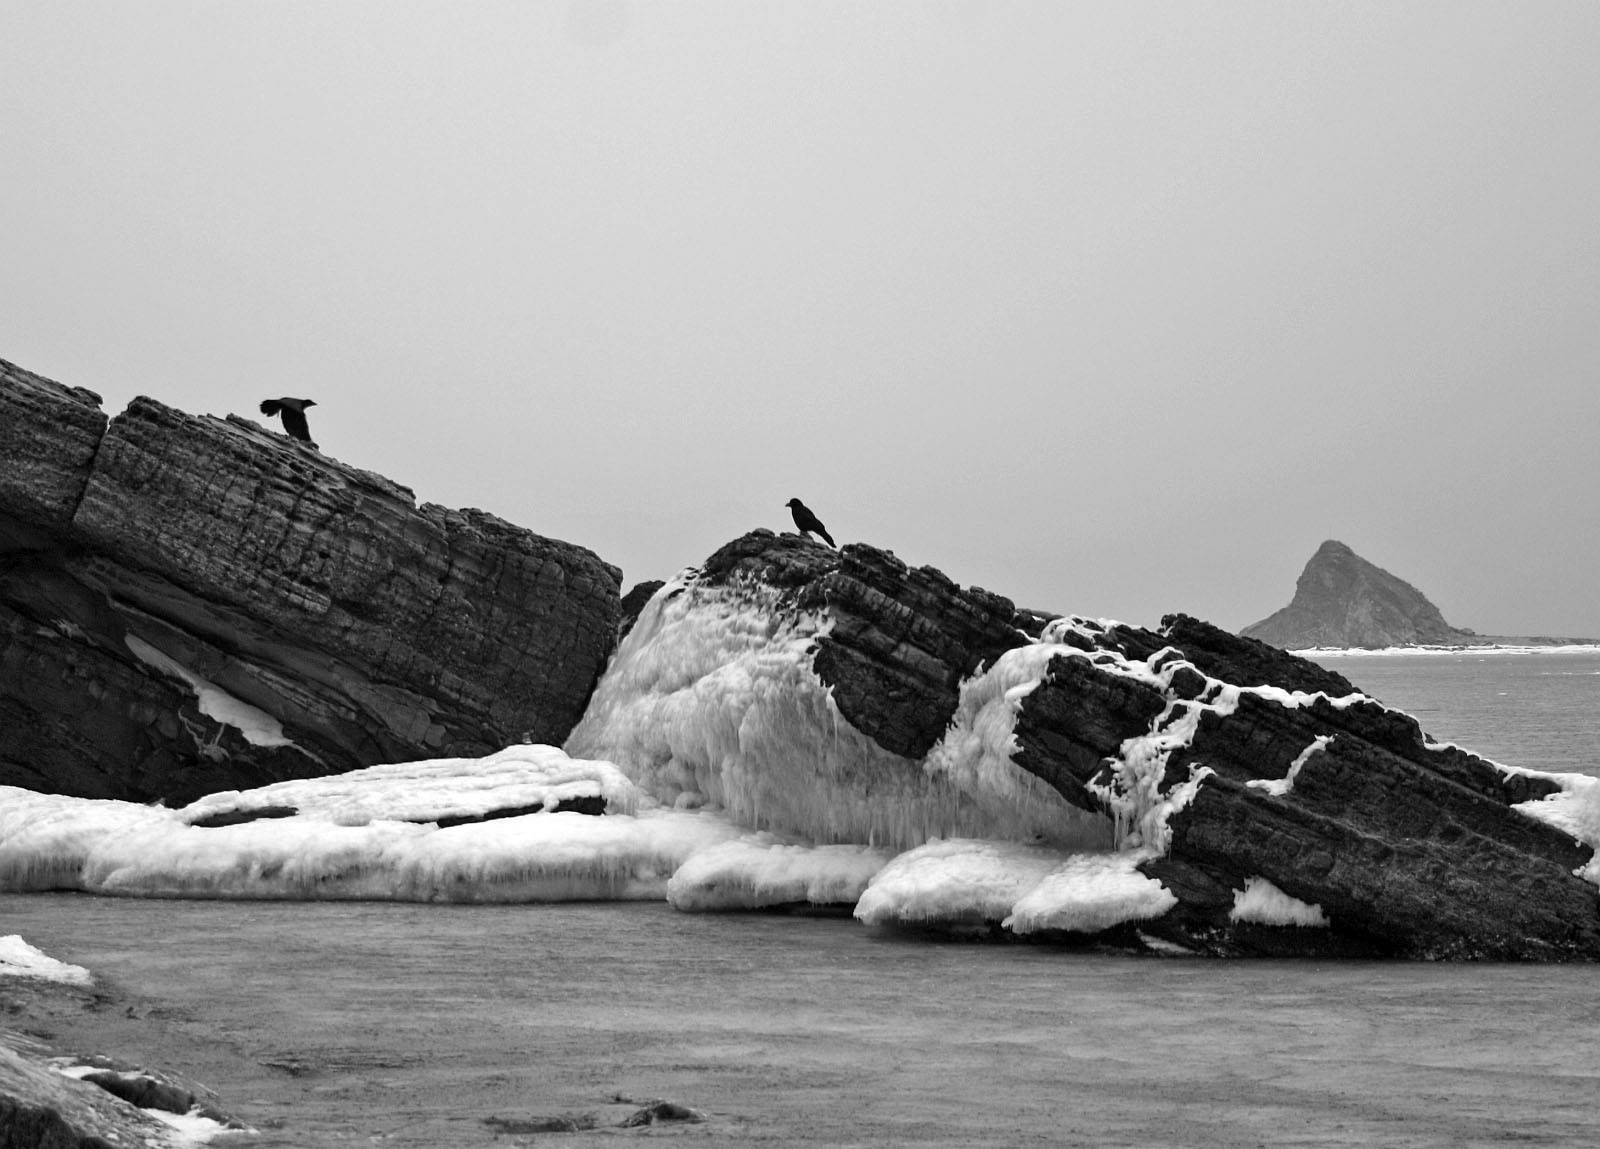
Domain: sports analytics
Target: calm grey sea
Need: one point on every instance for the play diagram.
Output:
(1541, 711)
(421, 1026)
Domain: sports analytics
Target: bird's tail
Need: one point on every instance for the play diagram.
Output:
(829, 537)
(271, 407)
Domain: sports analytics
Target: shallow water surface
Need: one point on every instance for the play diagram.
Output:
(420, 1026)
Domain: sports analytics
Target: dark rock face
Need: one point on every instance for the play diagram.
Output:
(162, 570)
(1228, 759)
(902, 640)
(43, 1108)
(1342, 600)
(1410, 850)
(633, 602)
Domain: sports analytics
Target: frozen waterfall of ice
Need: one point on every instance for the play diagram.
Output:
(712, 700)
(975, 757)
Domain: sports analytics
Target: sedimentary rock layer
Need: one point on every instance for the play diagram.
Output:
(1410, 848)
(190, 604)
(1228, 761)
(902, 638)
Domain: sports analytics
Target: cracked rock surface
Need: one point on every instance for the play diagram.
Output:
(191, 604)
(1231, 762)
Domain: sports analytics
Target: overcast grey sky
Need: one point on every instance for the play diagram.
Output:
(1115, 308)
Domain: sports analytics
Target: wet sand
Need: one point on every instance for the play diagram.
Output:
(431, 1026)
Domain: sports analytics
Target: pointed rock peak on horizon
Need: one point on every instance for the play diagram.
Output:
(1342, 600)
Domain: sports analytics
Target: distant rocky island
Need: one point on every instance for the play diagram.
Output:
(1343, 601)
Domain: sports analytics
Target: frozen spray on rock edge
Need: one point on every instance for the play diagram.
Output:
(711, 700)
(1574, 809)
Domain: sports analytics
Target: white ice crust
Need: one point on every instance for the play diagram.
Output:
(363, 835)
(760, 870)
(1025, 888)
(19, 959)
(514, 778)
(1574, 808)
(1090, 892)
(975, 757)
(1278, 787)
(257, 726)
(1265, 904)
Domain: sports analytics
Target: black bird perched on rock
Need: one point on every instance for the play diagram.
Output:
(294, 415)
(807, 522)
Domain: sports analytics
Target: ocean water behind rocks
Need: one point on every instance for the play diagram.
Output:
(1538, 710)
(418, 1026)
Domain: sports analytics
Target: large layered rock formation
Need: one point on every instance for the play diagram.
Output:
(1229, 762)
(192, 604)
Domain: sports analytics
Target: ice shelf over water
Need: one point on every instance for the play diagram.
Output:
(729, 781)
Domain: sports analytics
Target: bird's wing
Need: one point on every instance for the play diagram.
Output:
(294, 422)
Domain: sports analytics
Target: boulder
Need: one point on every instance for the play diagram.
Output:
(191, 604)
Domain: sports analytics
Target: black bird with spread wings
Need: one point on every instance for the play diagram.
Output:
(294, 415)
(807, 522)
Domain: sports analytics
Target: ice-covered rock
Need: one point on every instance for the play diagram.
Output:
(195, 607)
(843, 697)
